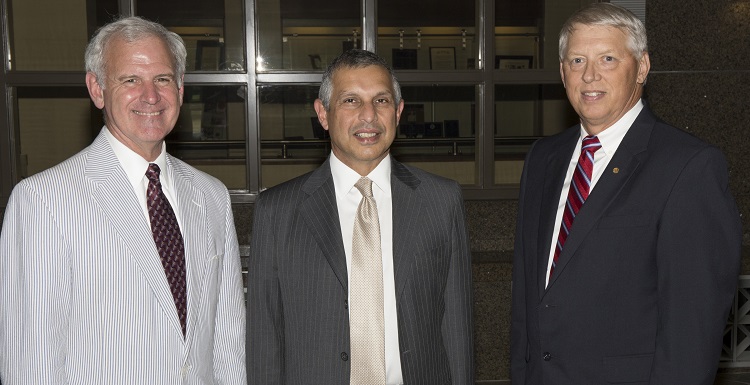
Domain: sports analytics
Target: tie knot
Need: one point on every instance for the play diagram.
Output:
(153, 172)
(364, 185)
(591, 144)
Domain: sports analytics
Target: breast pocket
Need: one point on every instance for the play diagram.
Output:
(430, 271)
(433, 260)
(624, 221)
(210, 287)
(213, 271)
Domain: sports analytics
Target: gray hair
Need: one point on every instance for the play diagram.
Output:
(132, 29)
(355, 58)
(607, 15)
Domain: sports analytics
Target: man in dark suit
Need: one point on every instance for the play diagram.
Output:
(634, 285)
(303, 287)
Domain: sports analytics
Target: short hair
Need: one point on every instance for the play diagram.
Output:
(355, 58)
(607, 15)
(132, 29)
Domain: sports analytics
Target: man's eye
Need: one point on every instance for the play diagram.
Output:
(382, 101)
(577, 60)
(609, 58)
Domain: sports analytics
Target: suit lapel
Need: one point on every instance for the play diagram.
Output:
(629, 156)
(199, 245)
(406, 205)
(557, 165)
(320, 211)
(116, 199)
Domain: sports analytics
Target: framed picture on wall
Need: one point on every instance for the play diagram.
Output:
(412, 113)
(442, 58)
(404, 58)
(514, 62)
(209, 55)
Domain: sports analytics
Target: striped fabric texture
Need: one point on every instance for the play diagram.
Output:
(298, 313)
(83, 294)
(580, 186)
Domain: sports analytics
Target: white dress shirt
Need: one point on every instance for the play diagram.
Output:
(347, 200)
(610, 139)
(135, 168)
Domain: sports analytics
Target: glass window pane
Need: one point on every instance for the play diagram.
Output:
(440, 36)
(305, 35)
(55, 123)
(292, 140)
(519, 27)
(210, 132)
(526, 33)
(41, 40)
(437, 130)
(213, 31)
(524, 113)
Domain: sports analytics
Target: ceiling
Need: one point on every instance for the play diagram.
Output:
(391, 13)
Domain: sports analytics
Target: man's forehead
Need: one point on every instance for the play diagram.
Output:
(343, 79)
(603, 31)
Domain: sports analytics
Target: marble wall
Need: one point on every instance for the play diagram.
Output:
(700, 80)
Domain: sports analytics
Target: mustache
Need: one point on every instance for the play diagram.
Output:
(368, 126)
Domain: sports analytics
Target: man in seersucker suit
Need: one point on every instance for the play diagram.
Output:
(303, 293)
(100, 284)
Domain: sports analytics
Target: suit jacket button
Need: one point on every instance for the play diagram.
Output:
(344, 356)
(547, 356)
(346, 304)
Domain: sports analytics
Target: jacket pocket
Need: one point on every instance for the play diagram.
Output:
(628, 369)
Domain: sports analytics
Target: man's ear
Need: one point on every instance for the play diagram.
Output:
(644, 65)
(562, 74)
(182, 88)
(95, 90)
(322, 113)
(399, 110)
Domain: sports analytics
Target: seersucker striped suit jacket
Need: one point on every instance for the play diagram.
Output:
(297, 290)
(84, 296)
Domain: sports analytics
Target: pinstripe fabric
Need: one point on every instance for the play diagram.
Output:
(297, 310)
(84, 297)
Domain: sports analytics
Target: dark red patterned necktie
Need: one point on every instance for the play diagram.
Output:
(579, 189)
(168, 241)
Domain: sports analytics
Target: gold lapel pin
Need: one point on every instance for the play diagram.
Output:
(616, 170)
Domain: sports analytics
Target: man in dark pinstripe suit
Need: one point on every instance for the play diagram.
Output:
(298, 290)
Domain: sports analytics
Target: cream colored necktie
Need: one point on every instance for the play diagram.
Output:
(366, 324)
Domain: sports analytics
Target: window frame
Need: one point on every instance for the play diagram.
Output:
(485, 76)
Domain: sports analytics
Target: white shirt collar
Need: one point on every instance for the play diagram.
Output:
(611, 137)
(135, 166)
(344, 177)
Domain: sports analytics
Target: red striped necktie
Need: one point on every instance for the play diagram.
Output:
(579, 189)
